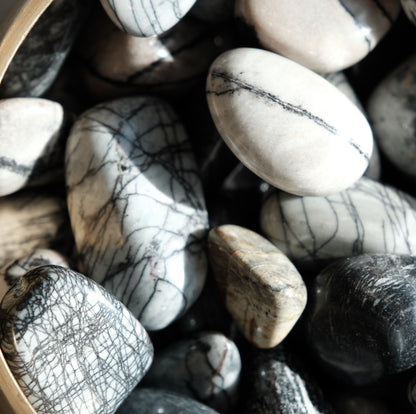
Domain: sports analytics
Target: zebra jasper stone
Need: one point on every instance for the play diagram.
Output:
(137, 208)
(71, 346)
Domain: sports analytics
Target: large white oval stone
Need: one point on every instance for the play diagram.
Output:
(287, 124)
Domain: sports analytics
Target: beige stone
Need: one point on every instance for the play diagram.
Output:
(262, 289)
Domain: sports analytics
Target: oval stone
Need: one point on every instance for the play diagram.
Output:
(32, 142)
(362, 325)
(287, 124)
(392, 114)
(146, 18)
(137, 208)
(261, 288)
(323, 35)
(369, 217)
(71, 346)
(409, 7)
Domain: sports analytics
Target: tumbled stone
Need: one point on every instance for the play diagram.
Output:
(171, 63)
(279, 383)
(213, 11)
(13, 271)
(368, 217)
(136, 207)
(409, 7)
(324, 36)
(362, 322)
(262, 289)
(146, 18)
(391, 111)
(43, 52)
(206, 367)
(31, 220)
(32, 142)
(71, 346)
(153, 401)
(287, 124)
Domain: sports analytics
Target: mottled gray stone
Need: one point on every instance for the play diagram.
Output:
(392, 114)
(368, 217)
(137, 208)
(362, 323)
(206, 367)
(213, 11)
(42, 53)
(71, 346)
(155, 401)
(261, 288)
(33, 132)
(146, 18)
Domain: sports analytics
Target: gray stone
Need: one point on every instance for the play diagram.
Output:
(409, 7)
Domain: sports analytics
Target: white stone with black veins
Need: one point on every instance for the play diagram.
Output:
(368, 217)
(146, 18)
(72, 347)
(32, 142)
(136, 207)
(287, 124)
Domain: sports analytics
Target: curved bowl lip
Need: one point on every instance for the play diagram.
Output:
(17, 17)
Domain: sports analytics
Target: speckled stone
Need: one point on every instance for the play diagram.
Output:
(323, 35)
(43, 52)
(115, 63)
(146, 18)
(71, 346)
(137, 208)
(409, 7)
(267, 110)
(392, 114)
(206, 367)
(31, 220)
(13, 271)
(155, 401)
(262, 289)
(33, 132)
(213, 11)
(279, 383)
(369, 217)
(361, 325)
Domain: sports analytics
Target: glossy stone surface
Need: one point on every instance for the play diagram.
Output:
(267, 110)
(279, 383)
(136, 207)
(409, 7)
(392, 114)
(369, 217)
(146, 18)
(261, 288)
(362, 322)
(71, 346)
(169, 63)
(206, 367)
(32, 142)
(13, 271)
(213, 11)
(31, 220)
(323, 35)
(43, 52)
(155, 401)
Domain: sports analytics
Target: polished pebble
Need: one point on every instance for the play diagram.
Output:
(409, 7)
(171, 63)
(31, 220)
(262, 289)
(157, 401)
(323, 35)
(137, 208)
(392, 114)
(13, 271)
(206, 367)
(279, 383)
(369, 217)
(287, 124)
(43, 52)
(33, 132)
(146, 18)
(71, 346)
(362, 322)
